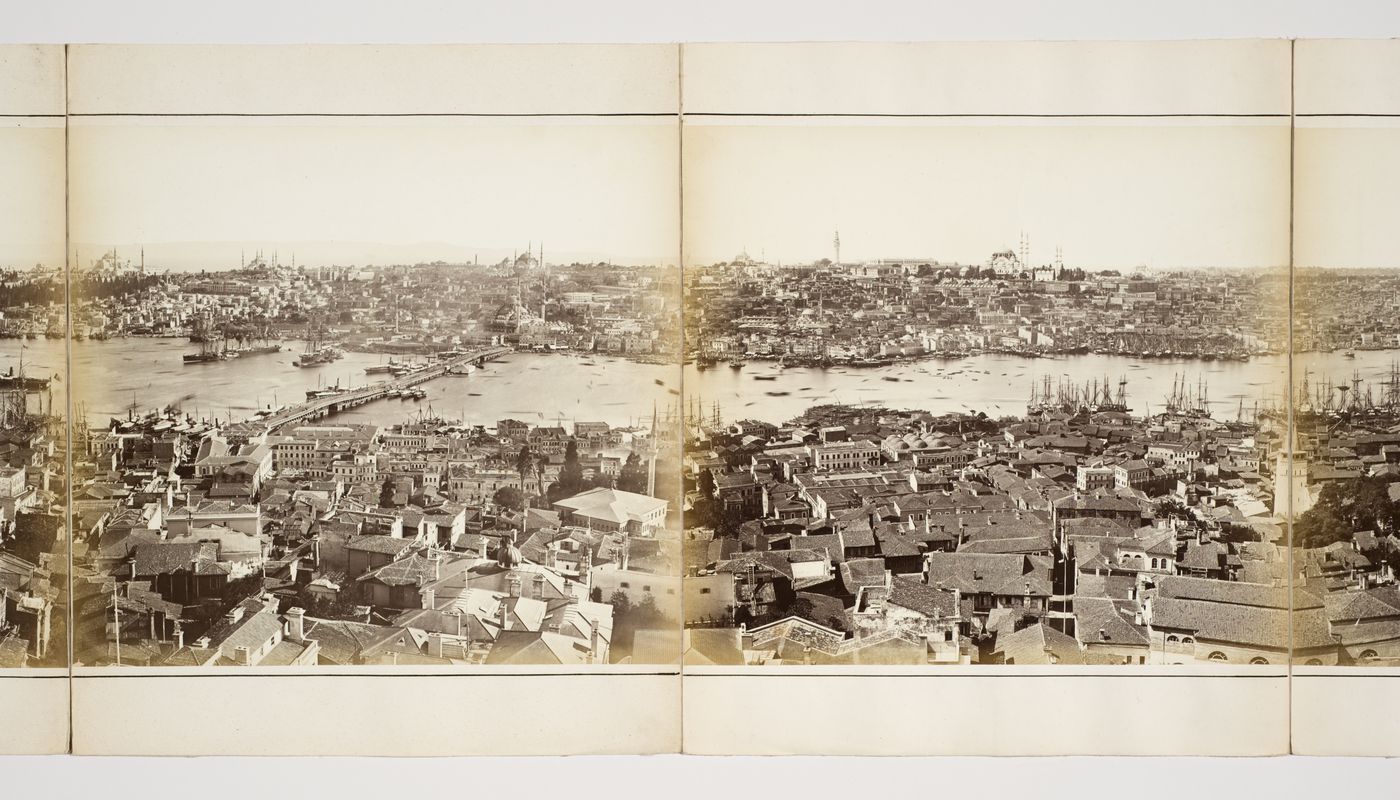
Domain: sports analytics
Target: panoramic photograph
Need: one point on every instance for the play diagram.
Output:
(33, 424)
(368, 391)
(968, 392)
(1345, 480)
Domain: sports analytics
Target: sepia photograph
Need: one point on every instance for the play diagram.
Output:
(975, 387)
(34, 539)
(1345, 478)
(985, 391)
(374, 391)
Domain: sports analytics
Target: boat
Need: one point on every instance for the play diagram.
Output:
(207, 357)
(209, 352)
(765, 377)
(12, 381)
(737, 363)
(1349, 354)
(378, 369)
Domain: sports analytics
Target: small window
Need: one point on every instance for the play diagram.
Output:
(1259, 660)
(1313, 662)
(705, 590)
(1172, 639)
(1368, 655)
(646, 588)
(1218, 656)
(625, 585)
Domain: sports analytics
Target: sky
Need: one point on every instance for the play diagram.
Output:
(1347, 211)
(31, 193)
(194, 193)
(1111, 195)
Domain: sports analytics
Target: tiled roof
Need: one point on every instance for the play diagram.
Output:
(917, 596)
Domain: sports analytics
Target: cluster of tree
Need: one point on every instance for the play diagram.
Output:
(101, 288)
(628, 618)
(707, 512)
(341, 606)
(1342, 508)
(802, 607)
(571, 480)
(634, 475)
(33, 535)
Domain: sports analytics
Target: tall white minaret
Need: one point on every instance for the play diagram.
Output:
(651, 460)
(836, 243)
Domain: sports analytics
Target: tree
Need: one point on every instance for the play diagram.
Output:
(707, 483)
(386, 493)
(1319, 527)
(620, 602)
(509, 497)
(1168, 507)
(802, 607)
(571, 474)
(541, 462)
(633, 477)
(524, 463)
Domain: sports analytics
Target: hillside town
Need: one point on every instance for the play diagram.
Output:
(343, 544)
(1074, 534)
(398, 309)
(1345, 309)
(875, 313)
(33, 547)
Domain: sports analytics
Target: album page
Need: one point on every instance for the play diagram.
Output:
(1346, 396)
(986, 398)
(33, 422)
(376, 399)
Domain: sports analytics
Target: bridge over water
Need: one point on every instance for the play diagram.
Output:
(323, 406)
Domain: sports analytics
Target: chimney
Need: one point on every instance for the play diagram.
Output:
(538, 591)
(234, 614)
(179, 635)
(429, 596)
(457, 614)
(593, 642)
(745, 638)
(242, 656)
(435, 644)
(502, 616)
(296, 624)
(513, 585)
(435, 558)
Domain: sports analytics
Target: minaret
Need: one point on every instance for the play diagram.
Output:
(836, 243)
(651, 465)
